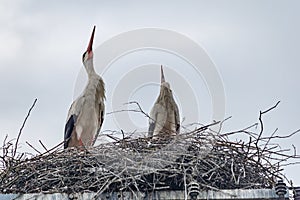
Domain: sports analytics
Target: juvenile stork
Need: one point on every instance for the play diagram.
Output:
(164, 117)
(86, 114)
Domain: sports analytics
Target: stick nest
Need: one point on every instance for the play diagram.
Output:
(145, 164)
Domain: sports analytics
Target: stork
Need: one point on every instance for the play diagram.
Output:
(164, 118)
(86, 114)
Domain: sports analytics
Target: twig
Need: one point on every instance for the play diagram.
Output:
(43, 145)
(16, 144)
(53, 148)
(222, 122)
(262, 126)
(33, 147)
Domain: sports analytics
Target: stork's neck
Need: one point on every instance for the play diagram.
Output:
(89, 67)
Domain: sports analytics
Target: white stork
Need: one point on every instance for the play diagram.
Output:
(164, 116)
(86, 114)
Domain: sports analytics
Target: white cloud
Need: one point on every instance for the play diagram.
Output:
(10, 45)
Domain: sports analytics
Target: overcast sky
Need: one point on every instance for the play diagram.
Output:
(254, 46)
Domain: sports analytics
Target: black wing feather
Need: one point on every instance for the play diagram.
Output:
(177, 128)
(151, 129)
(69, 129)
(98, 131)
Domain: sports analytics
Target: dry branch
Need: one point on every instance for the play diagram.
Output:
(24, 122)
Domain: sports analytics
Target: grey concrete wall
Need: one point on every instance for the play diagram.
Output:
(219, 195)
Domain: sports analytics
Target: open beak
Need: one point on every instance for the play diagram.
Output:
(162, 74)
(90, 47)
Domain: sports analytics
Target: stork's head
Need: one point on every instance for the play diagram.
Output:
(89, 52)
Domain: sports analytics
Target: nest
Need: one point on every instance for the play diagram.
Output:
(146, 164)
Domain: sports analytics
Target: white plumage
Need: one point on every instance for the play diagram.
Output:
(86, 114)
(164, 116)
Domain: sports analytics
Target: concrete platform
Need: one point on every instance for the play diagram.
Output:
(219, 195)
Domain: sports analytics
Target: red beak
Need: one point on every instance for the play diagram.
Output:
(90, 47)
